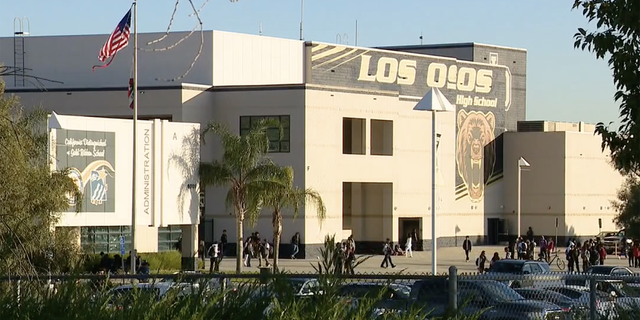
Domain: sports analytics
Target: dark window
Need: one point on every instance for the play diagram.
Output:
(277, 144)
(105, 239)
(168, 238)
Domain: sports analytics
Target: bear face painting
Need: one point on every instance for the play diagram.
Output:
(475, 156)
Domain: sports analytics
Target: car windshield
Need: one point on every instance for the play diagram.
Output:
(600, 270)
(503, 267)
(498, 291)
(607, 234)
(297, 285)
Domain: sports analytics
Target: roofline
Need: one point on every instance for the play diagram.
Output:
(559, 121)
(96, 34)
(449, 45)
(176, 87)
(410, 54)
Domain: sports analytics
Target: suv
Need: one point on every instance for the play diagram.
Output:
(486, 298)
(612, 240)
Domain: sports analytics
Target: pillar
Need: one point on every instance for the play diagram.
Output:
(189, 247)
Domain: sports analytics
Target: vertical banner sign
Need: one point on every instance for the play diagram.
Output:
(90, 157)
(122, 247)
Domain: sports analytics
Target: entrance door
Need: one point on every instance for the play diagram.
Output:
(409, 225)
(493, 230)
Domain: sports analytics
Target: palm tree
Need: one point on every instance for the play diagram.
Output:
(286, 196)
(246, 171)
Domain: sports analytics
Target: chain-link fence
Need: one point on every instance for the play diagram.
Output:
(492, 295)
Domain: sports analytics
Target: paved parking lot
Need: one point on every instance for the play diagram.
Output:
(420, 263)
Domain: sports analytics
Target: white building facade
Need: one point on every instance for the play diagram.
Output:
(350, 128)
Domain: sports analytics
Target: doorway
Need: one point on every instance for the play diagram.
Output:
(409, 225)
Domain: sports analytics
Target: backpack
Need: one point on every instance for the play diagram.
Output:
(386, 249)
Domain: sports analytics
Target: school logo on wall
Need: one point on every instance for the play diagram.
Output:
(476, 155)
(90, 158)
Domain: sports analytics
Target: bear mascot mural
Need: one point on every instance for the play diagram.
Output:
(476, 154)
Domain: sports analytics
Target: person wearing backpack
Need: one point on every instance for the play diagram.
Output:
(387, 250)
(480, 261)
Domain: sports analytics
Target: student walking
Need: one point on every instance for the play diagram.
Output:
(214, 263)
(387, 250)
(408, 247)
(466, 246)
(295, 245)
(248, 252)
(480, 262)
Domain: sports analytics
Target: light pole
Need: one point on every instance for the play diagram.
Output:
(435, 102)
(522, 165)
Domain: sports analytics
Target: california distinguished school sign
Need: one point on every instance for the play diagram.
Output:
(90, 157)
(465, 83)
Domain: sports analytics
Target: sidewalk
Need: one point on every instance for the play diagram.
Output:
(420, 263)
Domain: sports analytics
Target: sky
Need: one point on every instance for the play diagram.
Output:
(563, 83)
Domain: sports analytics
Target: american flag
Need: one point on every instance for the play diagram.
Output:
(118, 40)
(131, 94)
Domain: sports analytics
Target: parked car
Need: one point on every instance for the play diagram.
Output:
(392, 297)
(520, 267)
(612, 240)
(582, 296)
(610, 271)
(577, 309)
(614, 271)
(120, 297)
(493, 299)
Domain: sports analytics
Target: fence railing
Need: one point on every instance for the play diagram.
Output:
(548, 296)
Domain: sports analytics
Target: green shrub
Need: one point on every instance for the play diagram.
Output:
(80, 300)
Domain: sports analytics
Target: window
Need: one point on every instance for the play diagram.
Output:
(168, 238)
(353, 136)
(381, 137)
(105, 239)
(277, 143)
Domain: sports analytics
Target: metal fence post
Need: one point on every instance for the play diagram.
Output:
(592, 298)
(453, 289)
(224, 289)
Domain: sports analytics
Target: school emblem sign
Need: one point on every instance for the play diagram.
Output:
(90, 157)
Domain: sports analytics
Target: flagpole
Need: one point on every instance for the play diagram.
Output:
(135, 136)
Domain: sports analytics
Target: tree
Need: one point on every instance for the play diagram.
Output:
(616, 38)
(32, 196)
(627, 205)
(286, 196)
(246, 171)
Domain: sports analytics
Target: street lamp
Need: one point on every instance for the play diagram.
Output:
(435, 102)
(522, 165)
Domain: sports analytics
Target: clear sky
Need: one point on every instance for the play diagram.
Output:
(562, 83)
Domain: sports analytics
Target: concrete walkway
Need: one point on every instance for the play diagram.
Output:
(419, 264)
